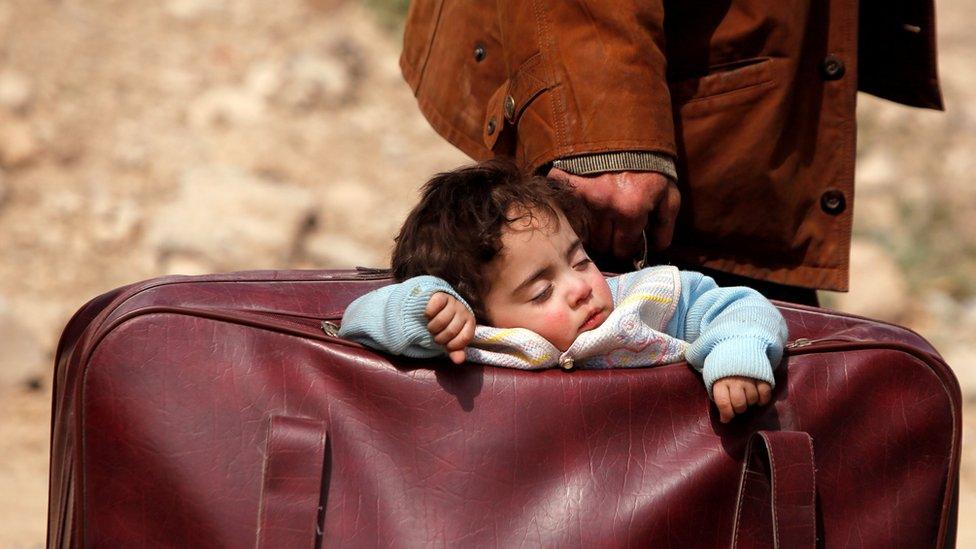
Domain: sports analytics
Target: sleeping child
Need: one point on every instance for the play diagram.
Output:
(492, 269)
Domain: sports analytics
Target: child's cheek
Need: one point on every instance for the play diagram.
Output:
(555, 327)
(555, 317)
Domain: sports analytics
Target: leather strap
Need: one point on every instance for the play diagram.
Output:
(776, 505)
(291, 489)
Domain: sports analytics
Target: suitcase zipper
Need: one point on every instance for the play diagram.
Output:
(330, 328)
(303, 321)
(801, 342)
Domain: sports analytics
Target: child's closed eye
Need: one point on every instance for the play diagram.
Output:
(543, 295)
(582, 264)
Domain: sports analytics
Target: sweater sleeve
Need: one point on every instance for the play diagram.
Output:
(732, 331)
(392, 318)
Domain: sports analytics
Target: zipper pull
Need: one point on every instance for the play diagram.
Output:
(330, 328)
(799, 342)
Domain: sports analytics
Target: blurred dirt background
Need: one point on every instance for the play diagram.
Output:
(189, 136)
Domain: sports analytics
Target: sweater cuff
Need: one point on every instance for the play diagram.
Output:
(738, 357)
(413, 310)
(622, 161)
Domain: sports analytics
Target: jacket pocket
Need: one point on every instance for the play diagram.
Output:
(724, 79)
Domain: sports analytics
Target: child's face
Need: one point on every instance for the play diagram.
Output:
(543, 281)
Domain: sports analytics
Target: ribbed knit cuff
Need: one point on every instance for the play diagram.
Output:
(413, 319)
(738, 357)
(620, 161)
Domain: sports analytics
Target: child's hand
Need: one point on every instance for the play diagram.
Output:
(451, 324)
(734, 394)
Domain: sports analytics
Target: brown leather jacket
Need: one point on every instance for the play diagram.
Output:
(754, 98)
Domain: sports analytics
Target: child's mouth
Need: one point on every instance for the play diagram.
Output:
(593, 321)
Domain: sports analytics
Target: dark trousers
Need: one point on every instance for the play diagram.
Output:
(780, 292)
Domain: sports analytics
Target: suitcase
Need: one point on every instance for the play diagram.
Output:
(215, 411)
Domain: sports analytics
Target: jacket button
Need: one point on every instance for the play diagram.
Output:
(491, 126)
(833, 202)
(832, 68)
(509, 107)
(479, 53)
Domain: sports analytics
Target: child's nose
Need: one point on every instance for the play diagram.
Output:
(580, 291)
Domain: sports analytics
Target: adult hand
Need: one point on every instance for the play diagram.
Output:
(622, 204)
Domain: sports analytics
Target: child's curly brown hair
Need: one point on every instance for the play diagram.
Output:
(456, 229)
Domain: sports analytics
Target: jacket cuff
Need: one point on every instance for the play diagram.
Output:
(621, 161)
(738, 357)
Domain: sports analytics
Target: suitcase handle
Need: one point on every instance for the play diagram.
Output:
(777, 492)
(291, 487)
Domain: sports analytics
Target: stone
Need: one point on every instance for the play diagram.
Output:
(878, 288)
(226, 106)
(230, 219)
(22, 358)
(18, 145)
(16, 92)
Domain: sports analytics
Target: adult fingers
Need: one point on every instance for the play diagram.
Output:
(738, 396)
(628, 239)
(765, 393)
(720, 393)
(662, 221)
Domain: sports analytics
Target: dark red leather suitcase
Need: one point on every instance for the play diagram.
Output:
(215, 412)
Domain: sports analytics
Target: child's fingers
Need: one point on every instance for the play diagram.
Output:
(464, 337)
(752, 394)
(737, 394)
(452, 329)
(436, 304)
(441, 321)
(765, 393)
(720, 393)
(456, 357)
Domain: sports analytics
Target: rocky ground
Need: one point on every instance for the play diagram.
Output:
(191, 136)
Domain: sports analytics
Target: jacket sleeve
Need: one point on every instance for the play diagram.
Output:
(732, 331)
(392, 318)
(604, 68)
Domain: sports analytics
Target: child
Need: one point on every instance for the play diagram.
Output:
(492, 270)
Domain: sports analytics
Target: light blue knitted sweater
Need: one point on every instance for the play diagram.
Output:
(732, 331)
